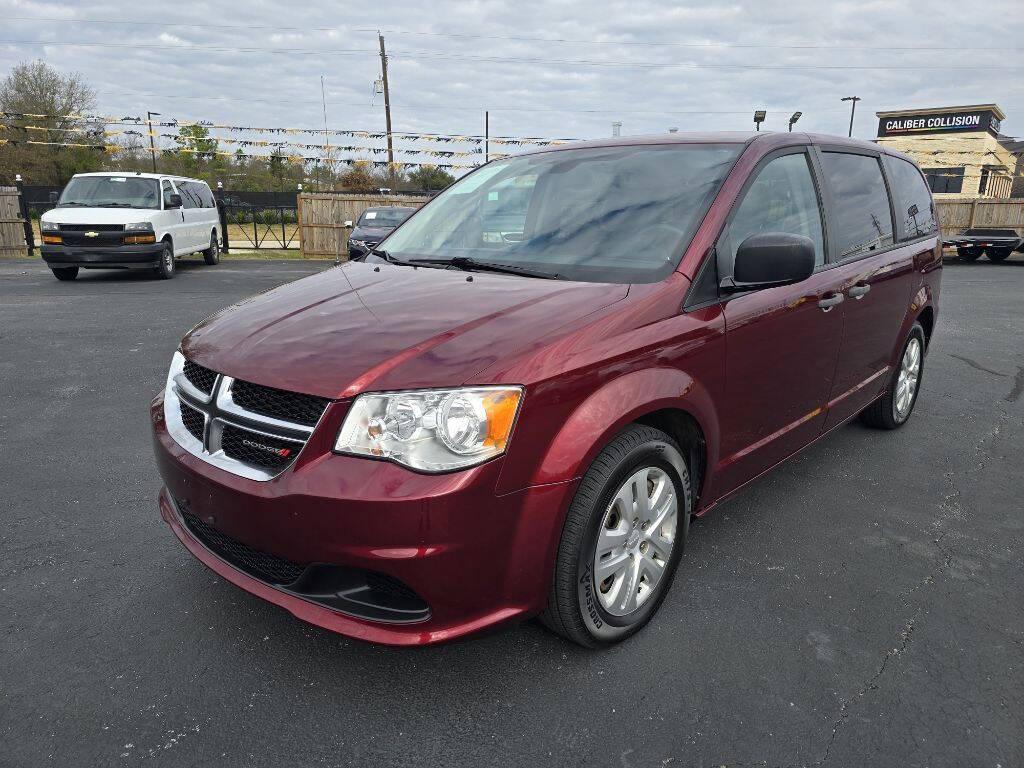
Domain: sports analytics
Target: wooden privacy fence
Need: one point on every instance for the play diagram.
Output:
(322, 217)
(12, 225)
(957, 215)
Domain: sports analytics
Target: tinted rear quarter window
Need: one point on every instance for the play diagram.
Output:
(861, 217)
(915, 214)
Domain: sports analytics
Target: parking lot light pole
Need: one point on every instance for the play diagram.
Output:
(152, 144)
(759, 116)
(853, 110)
(793, 119)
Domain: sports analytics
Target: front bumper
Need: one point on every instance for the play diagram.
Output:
(475, 558)
(113, 257)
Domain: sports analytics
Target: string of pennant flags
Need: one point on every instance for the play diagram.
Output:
(431, 137)
(293, 159)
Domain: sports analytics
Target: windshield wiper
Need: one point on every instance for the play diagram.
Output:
(468, 264)
(400, 262)
(71, 203)
(114, 205)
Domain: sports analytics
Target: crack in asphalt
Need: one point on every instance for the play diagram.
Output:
(976, 366)
(1018, 386)
(892, 653)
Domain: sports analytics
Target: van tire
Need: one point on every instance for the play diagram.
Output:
(65, 273)
(212, 254)
(882, 413)
(166, 268)
(573, 609)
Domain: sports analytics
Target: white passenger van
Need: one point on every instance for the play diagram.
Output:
(129, 221)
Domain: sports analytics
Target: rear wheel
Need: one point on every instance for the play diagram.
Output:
(165, 269)
(968, 254)
(622, 539)
(65, 273)
(998, 254)
(893, 409)
(212, 254)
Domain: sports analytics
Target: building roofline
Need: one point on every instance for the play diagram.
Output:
(996, 109)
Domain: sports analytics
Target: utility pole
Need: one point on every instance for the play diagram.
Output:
(487, 135)
(152, 144)
(853, 109)
(387, 97)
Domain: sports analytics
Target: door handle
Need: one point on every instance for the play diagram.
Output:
(827, 302)
(858, 291)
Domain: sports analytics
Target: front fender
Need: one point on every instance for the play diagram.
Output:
(596, 421)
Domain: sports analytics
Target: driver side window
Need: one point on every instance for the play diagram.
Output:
(781, 199)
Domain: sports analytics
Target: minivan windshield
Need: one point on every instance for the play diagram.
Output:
(110, 192)
(621, 214)
(383, 217)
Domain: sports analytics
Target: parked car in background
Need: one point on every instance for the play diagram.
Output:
(129, 221)
(997, 244)
(372, 226)
(464, 430)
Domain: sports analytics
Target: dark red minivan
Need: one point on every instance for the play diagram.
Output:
(515, 403)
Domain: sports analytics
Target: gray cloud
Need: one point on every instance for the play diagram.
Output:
(443, 83)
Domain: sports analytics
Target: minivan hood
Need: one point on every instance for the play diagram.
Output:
(75, 215)
(361, 327)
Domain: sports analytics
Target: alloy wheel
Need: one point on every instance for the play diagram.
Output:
(634, 544)
(906, 382)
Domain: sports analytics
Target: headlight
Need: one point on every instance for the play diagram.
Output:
(139, 226)
(432, 430)
(360, 243)
(48, 226)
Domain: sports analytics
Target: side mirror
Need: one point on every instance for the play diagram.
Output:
(347, 225)
(173, 201)
(770, 259)
(53, 197)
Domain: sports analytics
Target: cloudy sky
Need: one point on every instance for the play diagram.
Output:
(556, 69)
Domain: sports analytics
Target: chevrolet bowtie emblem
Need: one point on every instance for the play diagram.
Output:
(91, 233)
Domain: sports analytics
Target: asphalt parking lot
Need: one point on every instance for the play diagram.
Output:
(860, 606)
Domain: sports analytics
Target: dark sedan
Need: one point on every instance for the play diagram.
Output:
(373, 226)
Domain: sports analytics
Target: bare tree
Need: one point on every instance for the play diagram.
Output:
(35, 88)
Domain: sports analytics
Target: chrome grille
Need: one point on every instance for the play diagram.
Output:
(205, 417)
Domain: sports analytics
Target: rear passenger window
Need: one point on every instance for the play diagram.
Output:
(188, 196)
(781, 199)
(861, 216)
(915, 215)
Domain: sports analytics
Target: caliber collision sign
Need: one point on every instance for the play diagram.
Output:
(938, 122)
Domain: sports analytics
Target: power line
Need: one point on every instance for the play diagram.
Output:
(516, 38)
(428, 55)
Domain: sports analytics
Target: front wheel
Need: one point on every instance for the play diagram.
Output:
(165, 269)
(212, 254)
(968, 254)
(622, 540)
(893, 409)
(65, 273)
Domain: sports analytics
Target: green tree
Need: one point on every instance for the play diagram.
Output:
(430, 177)
(38, 89)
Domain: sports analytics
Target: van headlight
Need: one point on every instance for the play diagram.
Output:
(432, 430)
(139, 226)
(48, 226)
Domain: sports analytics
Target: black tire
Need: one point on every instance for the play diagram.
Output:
(212, 254)
(969, 254)
(574, 610)
(65, 273)
(998, 254)
(165, 269)
(883, 414)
